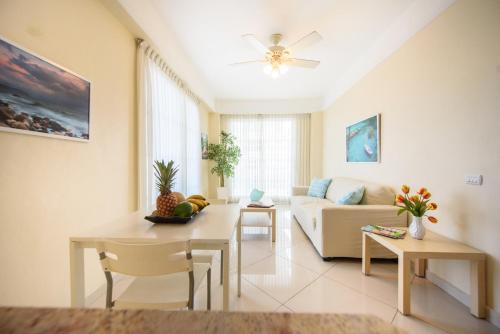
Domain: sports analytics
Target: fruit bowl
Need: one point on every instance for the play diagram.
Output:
(169, 219)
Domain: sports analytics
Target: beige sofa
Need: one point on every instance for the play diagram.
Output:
(335, 230)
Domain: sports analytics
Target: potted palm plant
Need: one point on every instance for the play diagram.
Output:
(226, 156)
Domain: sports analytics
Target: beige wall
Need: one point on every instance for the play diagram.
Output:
(51, 188)
(316, 154)
(439, 99)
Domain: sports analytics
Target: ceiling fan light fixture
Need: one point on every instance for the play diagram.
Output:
(283, 68)
(275, 73)
(267, 69)
(277, 58)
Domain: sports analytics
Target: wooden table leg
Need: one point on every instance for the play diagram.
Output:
(366, 256)
(77, 275)
(225, 284)
(478, 288)
(420, 266)
(273, 221)
(238, 236)
(404, 278)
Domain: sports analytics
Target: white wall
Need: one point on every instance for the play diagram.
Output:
(439, 100)
(285, 106)
(142, 17)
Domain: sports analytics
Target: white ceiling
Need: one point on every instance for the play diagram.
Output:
(356, 33)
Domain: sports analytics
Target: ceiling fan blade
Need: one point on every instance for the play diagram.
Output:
(307, 63)
(261, 48)
(305, 41)
(249, 62)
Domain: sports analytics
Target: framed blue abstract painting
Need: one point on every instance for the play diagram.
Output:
(363, 140)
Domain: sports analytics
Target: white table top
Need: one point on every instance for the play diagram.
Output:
(433, 245)
(216, 223)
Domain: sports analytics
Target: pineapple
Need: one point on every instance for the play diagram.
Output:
(165, 177)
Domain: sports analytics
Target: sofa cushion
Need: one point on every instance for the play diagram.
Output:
(352, 197)
(300, 200)
(374, 193)
(318, 187)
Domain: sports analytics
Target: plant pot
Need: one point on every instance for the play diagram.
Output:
(417, 229)
(223, 193)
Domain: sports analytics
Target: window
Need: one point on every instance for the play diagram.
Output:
(170, 129)
(274, 153)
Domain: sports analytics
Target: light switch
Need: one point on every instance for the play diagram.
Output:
(475, 180)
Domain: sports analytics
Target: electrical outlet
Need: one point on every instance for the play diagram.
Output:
(475, 180)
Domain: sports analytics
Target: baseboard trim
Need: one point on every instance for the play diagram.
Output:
(491, 315)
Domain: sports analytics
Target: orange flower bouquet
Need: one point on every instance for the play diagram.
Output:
(417, 205)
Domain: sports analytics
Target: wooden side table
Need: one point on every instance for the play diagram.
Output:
(433, 246)
(271, 211)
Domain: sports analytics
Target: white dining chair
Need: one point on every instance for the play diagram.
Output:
(207, 256)
(165, 275)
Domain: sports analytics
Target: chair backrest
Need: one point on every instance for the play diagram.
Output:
(145, 259)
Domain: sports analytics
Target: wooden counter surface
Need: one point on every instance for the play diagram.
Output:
(65, 320)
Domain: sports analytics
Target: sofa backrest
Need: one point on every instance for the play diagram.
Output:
(374, 193)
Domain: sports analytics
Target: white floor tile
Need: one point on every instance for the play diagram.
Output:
(382, 284)
(413, 325)
(434, 306)
(305, 255)
(279, 277)
(325, 295)
(252, 298)
(283, 309)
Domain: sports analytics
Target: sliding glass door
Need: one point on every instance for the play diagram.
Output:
(274, 153)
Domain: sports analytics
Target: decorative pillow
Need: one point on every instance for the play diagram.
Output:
(352, 197)
(256, 195)
(318, 187)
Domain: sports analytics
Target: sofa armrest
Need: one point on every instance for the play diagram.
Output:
(340, 227)
(300, 190)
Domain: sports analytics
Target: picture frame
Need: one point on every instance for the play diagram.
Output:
(204, 146)
(39, 97)
(363, 141)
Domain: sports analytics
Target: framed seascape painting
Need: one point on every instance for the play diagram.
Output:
(363, 140)
(204, 146)
(41, 98)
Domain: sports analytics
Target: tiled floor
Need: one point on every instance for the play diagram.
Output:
(289, 276)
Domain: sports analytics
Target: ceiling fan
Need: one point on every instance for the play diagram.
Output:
(277, 58)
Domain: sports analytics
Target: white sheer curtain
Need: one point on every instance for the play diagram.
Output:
(169, 123)
(274, 153)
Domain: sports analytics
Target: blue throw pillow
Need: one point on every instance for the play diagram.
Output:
(256, 195)
(352, 197)
(319, 187)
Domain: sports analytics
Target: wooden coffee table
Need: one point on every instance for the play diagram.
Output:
(433, 246)
(271, 212)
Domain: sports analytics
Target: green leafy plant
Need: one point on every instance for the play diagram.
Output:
(226, 156)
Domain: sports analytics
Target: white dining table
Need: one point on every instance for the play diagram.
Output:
(211, 229)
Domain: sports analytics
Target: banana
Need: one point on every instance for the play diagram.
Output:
(198, 202)
(197, 197)
(196, 208)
